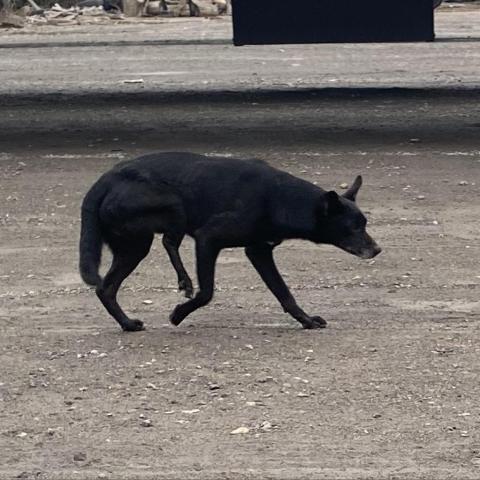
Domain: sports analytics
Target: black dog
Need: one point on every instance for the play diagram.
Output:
(220, 202)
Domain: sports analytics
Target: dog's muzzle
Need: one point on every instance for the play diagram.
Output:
(367, 253)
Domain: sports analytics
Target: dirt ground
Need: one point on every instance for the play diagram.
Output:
(388, 391)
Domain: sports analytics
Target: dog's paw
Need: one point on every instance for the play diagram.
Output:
(133, 326)
(187, 287)
(314, 322)
(176, 316)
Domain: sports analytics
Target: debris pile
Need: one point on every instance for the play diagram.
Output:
(88, 11)
(186, 8)
(58, 15)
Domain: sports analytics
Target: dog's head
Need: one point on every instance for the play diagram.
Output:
(343, 224)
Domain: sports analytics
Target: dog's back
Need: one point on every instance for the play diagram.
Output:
(206, 185)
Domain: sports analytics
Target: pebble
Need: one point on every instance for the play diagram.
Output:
(266, 426)
(146, 422)
(79, 457)
(344, 186)
(265, 379)
(240, 431)
(147, 302)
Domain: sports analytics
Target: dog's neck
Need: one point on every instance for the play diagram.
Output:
(295, 210)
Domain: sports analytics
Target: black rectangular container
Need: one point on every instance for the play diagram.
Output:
(257, 22)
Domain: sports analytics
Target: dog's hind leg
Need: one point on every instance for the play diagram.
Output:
(127, 252)
(261, 257)
(171, 241)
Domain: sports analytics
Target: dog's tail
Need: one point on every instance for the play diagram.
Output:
(91, 240)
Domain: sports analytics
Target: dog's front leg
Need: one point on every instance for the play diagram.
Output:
(261, 257)
(206, 255)
(172, 242)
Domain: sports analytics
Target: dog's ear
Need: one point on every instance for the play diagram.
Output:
(332, 203)
(351, 193)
